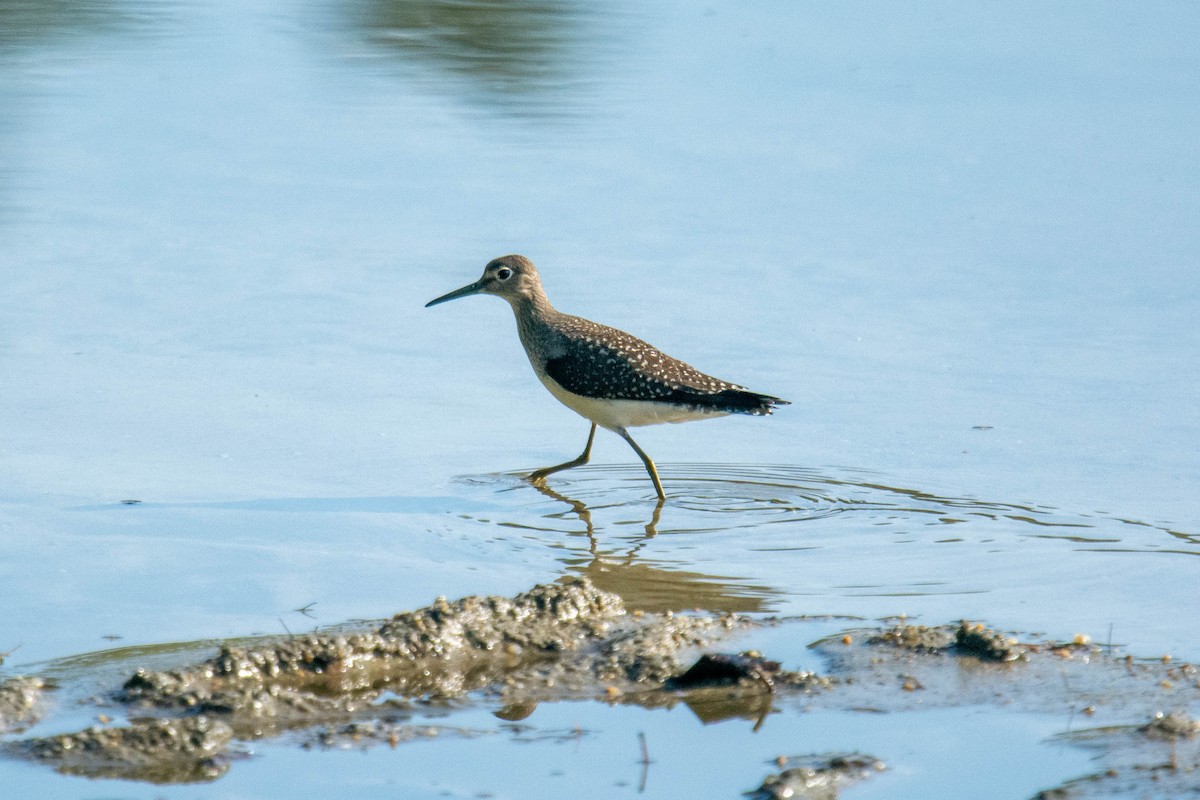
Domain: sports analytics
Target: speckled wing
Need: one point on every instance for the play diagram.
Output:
(605, 363)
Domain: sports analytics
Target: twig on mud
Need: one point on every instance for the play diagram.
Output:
(645, 762)
(8, 653)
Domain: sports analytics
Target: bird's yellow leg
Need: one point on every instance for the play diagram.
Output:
(645, 460)
(538, 474)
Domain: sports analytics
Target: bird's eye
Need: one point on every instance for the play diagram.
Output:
(504, 273)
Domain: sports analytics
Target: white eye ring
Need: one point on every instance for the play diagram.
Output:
(504, 273)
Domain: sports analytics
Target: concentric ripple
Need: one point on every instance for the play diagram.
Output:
(726, 497)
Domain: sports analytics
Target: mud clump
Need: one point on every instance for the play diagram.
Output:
(968, 638)
(816, 777)
(983, 642)
(157, 750)
(646, 650)
(918, 638)
(20, 702)
(1175, 725)
(723, 686)
(442, 650)
(555, 641)
(721, 669)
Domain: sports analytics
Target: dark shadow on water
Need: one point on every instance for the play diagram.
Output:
(521, 57)
(30, 22)
(27, 26)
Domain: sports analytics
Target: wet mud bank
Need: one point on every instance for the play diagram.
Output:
(21, 702)
(191, 722)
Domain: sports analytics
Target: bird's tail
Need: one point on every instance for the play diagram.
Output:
(730, 401)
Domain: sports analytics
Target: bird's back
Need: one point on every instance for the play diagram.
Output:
(595, 361)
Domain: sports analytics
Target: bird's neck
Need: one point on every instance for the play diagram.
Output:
(535, 323)
(534, 307)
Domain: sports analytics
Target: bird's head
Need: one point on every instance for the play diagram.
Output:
(511, 277)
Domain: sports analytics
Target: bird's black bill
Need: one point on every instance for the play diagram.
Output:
(473, 288)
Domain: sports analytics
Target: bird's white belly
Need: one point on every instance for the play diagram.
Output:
(613, 414)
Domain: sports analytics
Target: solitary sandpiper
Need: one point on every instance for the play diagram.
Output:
(608, 376)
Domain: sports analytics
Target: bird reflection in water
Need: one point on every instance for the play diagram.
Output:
(646, 586)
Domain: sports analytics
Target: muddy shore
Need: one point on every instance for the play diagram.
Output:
(571, 641)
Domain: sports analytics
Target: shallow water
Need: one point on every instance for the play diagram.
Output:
(960, 241)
